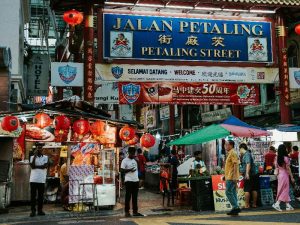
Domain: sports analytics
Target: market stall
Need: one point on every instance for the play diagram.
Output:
(73, 132)
(231, 126)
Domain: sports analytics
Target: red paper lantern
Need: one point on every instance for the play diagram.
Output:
(42, 120)
(62, 122)
(133, 141)
(97, 128)
(81, 126)
(127, 133)
(73, 17)
(147, 140)
(297, 29)
(10, 123)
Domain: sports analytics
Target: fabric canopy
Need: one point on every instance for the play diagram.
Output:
(206, 134)
(241, 129)
(288, 128)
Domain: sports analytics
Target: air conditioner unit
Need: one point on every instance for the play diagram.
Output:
(5, 57)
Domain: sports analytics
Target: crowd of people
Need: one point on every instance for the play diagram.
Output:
(280, 163)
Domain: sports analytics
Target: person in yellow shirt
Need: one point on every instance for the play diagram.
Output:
(232, 177)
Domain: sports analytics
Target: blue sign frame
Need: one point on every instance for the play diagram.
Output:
(192, 39)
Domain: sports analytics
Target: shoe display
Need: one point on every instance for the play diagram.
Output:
(277, 207)
(41, 213)
(138, 214)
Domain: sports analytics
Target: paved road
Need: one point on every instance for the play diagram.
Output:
(245, 218)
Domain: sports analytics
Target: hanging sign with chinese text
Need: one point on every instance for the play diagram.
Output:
(150, 73)
(188, 93)
(170, 38)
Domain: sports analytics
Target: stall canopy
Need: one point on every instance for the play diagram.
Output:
(206, 134)
(288, 128)
(231, 126)
(241, 129)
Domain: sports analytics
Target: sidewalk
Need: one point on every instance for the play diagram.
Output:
(150, 204)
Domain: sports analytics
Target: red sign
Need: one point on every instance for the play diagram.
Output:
(188, 93)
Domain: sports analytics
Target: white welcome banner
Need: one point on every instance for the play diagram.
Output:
(128, 72)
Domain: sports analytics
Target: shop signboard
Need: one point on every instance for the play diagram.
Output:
(150, 73)
(216, 115)
(193, 39)
(126, 112)
(66, 74)
(151, 118)
(164, 112)
(220, 200)
(294, 77)
(188, 93)
(38, 75)
(106, 92)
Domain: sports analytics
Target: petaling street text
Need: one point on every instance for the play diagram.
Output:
(191, 52)
(188, 27)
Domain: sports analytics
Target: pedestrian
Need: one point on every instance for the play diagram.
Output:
(38, 174)
(251, 177)
(270, 160)
(130, 167)
(174, 162)
(232, 177)
(284, 173)
(141, 165)
(294, 160)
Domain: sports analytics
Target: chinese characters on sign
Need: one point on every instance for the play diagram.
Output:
(286, 85)
(38, 75)
(170, 38)
(89, 76)
(188, 93)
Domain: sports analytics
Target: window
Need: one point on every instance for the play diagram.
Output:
(293, 54)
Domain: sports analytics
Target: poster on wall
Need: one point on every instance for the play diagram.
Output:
(188, 93)
(294, 77)
(193, 39)
(220, 200)
(19, 145)
(66, 74)
(152, 73)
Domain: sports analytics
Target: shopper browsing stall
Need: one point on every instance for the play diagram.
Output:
(251, 178)
(130, 167)
(39, 165)
(141, 165)
(284, 173)
(232, 177)
(270, 159)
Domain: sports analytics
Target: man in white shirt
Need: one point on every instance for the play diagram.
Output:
(39, 164)
(129, 166)
(198, 164)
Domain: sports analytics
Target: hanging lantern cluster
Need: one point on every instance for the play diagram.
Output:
(73, 17)
(97, 128)
(42, 120)
(147, 140)
(127, 133)
(62, 124)
(10, 123)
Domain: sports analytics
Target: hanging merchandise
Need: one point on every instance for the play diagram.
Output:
(10, 123)
(42, 120)
(127, 133)
(81, 126)
(62, 122)
(133, 141)
(73, 17)
(147, 140)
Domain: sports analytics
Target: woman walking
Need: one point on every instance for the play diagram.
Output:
(284, 172)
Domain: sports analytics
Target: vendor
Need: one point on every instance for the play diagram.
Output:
(269, 159)
(198, 164)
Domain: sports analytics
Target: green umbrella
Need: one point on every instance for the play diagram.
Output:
(206, 134)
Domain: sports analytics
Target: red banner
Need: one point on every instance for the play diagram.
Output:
(188, 93)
